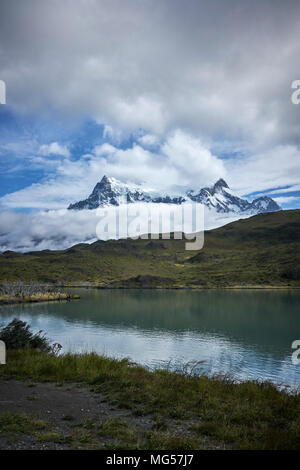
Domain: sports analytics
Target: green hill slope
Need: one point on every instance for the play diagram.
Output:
(263, 250)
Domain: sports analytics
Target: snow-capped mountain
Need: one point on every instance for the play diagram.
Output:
(112, 192)
(223, 200)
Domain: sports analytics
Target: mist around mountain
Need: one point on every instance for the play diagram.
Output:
(263, 250)
(60, 229)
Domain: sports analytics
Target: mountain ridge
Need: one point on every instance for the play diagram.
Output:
(112, 192)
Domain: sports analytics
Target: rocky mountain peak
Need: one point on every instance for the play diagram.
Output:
(219, 185)
(112, 192)
(265, 204)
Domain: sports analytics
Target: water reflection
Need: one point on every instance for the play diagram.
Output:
(246, 334)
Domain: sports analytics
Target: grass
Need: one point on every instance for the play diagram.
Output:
(172, 442)
(19, 423)
(19, 291)
(120, 432)
(38, 297)
(16, 427)
(263, 250)
(110, 434)
(249, 415)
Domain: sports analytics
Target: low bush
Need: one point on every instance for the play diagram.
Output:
(17, 335)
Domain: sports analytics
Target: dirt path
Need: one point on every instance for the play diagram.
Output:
(70, 413)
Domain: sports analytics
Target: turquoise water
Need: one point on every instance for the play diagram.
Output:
(246, 334)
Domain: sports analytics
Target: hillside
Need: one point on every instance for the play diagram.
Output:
(261, 250)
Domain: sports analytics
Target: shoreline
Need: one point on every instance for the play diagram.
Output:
(60, 297)
(76, 286)
(6, 300)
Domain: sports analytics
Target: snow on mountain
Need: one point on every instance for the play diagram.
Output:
(219, 198)
(112, 192)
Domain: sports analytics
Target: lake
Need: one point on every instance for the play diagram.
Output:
(246, 334)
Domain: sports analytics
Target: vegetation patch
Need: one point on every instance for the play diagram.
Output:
(260, 251)
(20, 423)
(187, 411)
(17, 335)
(19, 292)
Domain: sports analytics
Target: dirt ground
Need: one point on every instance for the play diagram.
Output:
(67, 410)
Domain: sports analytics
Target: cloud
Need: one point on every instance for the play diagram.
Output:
(187, 92)
(46, 230)
(144, 111)
(195, 163)
(196, 93)
(54, 149)
(287, 189)
(287, 199)
(148, 140)
(61, 229)
(274, 168)
(179, 160)
(212, 68)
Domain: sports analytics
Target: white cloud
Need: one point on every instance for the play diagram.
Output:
(144, 112)
(151, 70)
(218, 68)
(276, 167)
(104, 150)
(288, 189)
(190, 84)
(61, 229)
(46, 230)
(54, 149)
(286, 199)
(195, 163)
(148, 140)
(180, 160)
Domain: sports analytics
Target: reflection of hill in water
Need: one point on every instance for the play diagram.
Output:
(259, 319)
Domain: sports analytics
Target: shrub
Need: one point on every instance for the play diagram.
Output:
(17, 335)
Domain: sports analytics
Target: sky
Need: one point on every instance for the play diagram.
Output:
(167, 93)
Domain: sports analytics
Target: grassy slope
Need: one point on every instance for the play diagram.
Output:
(261, 250)
(241, 416)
